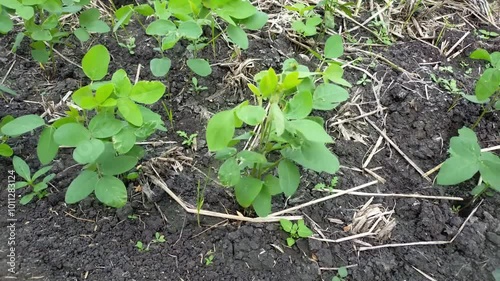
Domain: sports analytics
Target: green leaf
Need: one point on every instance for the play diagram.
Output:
(20, 184)
(303, 231)
(111, 191)
(179, 7)
(40, 172)
(246, 190)
(95, 62)
(237, 36)
(334, 47)
(328, 96)
(169, 41)
(130, 111)
(122, 83)
(7, 90)
(342, 272)
(220, 130)
(160, 67)
(104, 92)
(262, 203)
(251, 114)
(289, 177)
(27, 198)
(314, 156)
(160, 27)
(84, 98)
(256, 21)
(291, 80)
(249, 158)
(278, 119)
(21, 168)
(37, 188)
(25, 12)
(104, 125)
(6, 23)
(480, 54)
(229, 172)
(488, 83)
(88, 151)
(89, 19)
(286, 225)
(147, 92)
(144, 9)
(41, 35)
(489, 167)
(5, 150)
(81, 34)
(114, 165)
(71, 134)
(199, 66)
(238, 9)
(334, 73)
(124, 140)
(40, 53)
(123, 16)
(310, 130)
(268, 83)
(47, 147)
(190, 30)
(22, 125)
(272, 185)
(300, 106)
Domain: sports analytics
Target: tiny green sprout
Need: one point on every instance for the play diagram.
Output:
(38, 187)
(330, 187)
(485, 34)
(295, 230)
(341, 274)
(209, 257)
(159, 238)
(455, 209)
(448, 69)
(189, 141)
(132, 176)
(140, 246)
(133, 217)
(169, 113)
(129, 44)
(200, 200)
(363, 80)
(196, 87)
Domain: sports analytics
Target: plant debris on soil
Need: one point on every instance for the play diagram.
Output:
(55, 241)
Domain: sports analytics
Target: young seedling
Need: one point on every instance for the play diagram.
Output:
(363, 80)
(295, 230)
(169, 113)
(308, 19)
(159, 238)
(197, 88)
(341, 274)
(466, 160)
(38, 187)
(140, 246)
(485, 34)
(330, 187)
(189, 141)
(132, 217)
(129, 44)
(209, 257)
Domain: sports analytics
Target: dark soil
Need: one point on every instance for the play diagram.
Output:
(87, 241)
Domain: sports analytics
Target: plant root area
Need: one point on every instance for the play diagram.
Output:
(88, 241)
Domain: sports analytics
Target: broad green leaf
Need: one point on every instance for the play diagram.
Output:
(5, 150)
(225, 153)
(289, 177)
(246, 190)
(160, 27)
(122, 83)
(40, 54)
(229, 172)
(238, 9)
(114, 165)
(334, 47)
(220, 130)
(179, 7)
(123, 16)
(237, 36)
(268, 83)
(7, 90)
(95, 62)
(310, 130)
(89, 19)
(41, 35)
(256, 21)
(272, 185)
(25, 12)
(124, 140)
(254, 90)
(300, 106)
(111, 191)
(286, 225)
(130, 111)
(22, 125)
(40, 187)
(71, 134)
(103, 93)
(457, 169)
(488, 83)
(160, 67)
(278, 119)
(149, 116)
(144, 9)
(251, 114)
(84, 98)
(147, 92)
(248, 158)
(88, 151)
(495, 59)
(303, 231)
(20, 184)
(81, 34)
(199, 66)
(40, 172)
(47, 147)
(50, 22)
(190, 30)
(314, 156)
(489, 167)
(262, 203)
(104, 125)
(81, 187)
(27, 198)
(465, 144)
(328, 96)
(6, 23)
(21, 168)
(334, 73)
(480, 54)
(291, 80)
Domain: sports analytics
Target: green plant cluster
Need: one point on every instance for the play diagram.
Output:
(287, 134)
(295, 230)
(466, 160)
(38, 187)
(487, 89)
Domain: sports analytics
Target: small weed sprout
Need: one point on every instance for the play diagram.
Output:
(341, 274)
(196, 87)
(159, 238)
(295, 230)
(363, 80)
(38, 187)
(189, 140)
(330, 187)
(140, 246)
(129, 44)
(209, 257)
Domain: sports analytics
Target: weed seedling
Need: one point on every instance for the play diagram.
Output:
(140, 246)
(209, 257)
(295, 230)
(189, 141)
(129, 44)
(330, 187)
(159, 238)
(363, 80)
(341, 274)
(485, 34)
(132, 217)
(38, 187)
(197, 88)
